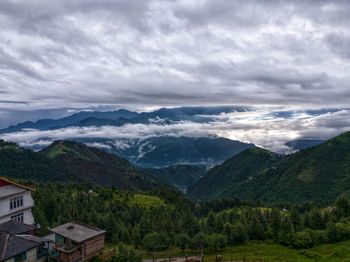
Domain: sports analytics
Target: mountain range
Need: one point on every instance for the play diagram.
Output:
(122, 117)
(319, 173)
(157, 150)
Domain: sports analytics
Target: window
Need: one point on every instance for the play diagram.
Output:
(20, 257)
(16, 202)
(18, 217)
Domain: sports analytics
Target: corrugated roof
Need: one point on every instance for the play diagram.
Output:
(77, 232)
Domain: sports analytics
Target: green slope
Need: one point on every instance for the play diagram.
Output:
(71, 162)
(320, 173)
(20, 163)
(92, 165)
(226, 178)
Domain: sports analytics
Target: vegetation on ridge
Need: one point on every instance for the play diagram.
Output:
(320, 173)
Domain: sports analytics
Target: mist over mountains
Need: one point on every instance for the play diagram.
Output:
(166, 146)
(156, 138)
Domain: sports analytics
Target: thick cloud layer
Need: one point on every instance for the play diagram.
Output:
(79, 53)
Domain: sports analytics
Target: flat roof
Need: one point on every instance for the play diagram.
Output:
(77, 232)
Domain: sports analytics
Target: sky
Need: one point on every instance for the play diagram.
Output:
(59, 57)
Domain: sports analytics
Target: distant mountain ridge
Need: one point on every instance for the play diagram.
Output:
(48, 124)
(303, 143)
(122, 116)
(319, 173)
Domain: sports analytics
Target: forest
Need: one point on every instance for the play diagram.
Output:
(165, 218)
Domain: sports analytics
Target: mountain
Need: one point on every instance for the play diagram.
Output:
(226, 178)
(47, 124)
(195, 114)
(179, 176)
(122, 116)
(319, 173)
(299, 144)
(94, 121)
(92, 165)
(20, 163)
(167, 150)
(71, 162)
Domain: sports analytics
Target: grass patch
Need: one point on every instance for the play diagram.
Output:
(146, 201)
(308, 175)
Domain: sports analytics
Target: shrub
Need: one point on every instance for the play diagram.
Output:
(303, 239)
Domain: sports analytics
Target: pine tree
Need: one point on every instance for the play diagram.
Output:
(275, 221)
(182, 241)
(210, 225)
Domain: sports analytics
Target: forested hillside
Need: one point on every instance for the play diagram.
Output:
(164, 217)
(92, 165)
(20, 163)
(72, 162)
(179, 176)
(230, 175)
(320, 173)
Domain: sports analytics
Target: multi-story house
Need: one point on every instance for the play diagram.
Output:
(16, 202)
(78, 242)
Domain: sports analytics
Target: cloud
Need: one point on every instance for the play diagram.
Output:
(339, 44)
(73, 54)
(262, 127)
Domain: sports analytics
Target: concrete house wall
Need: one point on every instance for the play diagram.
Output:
(9, 192)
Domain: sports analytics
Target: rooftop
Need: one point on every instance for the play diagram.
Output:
(77, 232)
(11, 245)
(4, 180)
(14, 227)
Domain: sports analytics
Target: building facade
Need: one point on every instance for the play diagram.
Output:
(16, 202)
(77, 242)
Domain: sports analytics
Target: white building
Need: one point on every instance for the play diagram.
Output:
(16, 202)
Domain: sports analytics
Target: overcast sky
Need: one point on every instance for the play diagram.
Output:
(76, 54)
